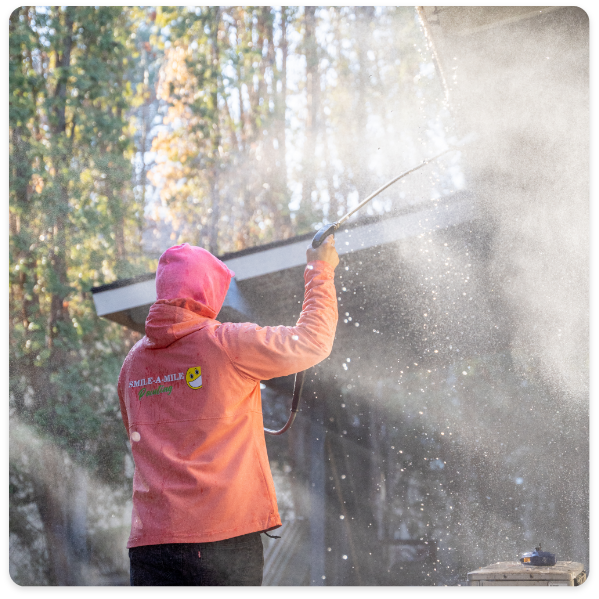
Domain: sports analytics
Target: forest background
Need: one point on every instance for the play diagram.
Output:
(132, 129)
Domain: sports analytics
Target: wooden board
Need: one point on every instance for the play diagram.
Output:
(514, 573)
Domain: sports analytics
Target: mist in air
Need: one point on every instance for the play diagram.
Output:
(448, 429)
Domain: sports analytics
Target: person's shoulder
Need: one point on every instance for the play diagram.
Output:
(225, 329)
(137, 347)
(236, 326)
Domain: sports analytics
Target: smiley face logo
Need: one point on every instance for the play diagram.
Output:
(193, 377)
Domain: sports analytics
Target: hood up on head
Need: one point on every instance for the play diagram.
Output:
(191, 285)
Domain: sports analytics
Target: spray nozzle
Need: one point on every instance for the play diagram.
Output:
(323, 233)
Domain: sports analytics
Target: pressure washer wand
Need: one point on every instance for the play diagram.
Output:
(329, 229)
(319, 238)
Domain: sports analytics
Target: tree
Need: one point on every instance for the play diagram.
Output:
(71, 208)
(225, 84)
(223, 164)
(306, 213)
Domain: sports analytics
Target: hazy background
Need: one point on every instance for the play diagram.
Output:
(133, 129)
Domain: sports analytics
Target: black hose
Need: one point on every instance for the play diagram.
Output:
(297, 394)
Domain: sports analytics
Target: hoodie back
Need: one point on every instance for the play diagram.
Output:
(190, 400)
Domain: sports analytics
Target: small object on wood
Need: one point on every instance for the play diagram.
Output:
(538, 558)
(516, 574)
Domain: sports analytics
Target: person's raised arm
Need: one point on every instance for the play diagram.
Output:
(263, 353)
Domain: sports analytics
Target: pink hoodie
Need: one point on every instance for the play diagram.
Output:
(190, 401)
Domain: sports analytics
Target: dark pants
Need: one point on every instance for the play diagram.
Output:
(233, 562)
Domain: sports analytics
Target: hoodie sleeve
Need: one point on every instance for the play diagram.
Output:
(264, 353)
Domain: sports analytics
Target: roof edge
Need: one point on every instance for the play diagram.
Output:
(369, 220)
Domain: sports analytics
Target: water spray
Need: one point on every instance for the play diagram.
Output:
(317, 241)
(330, 229)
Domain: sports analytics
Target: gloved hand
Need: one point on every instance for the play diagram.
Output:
(326, 252)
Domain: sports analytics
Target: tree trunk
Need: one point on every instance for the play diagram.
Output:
(51, 501)
(304, 220)
(216, 141)
(282, 220)
(333, 202)
(359, 164)
(144, 141)
(52, 490)
(58, 307)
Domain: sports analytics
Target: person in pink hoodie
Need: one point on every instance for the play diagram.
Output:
(190, 401)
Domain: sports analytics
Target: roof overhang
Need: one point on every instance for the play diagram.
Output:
(277, 267)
